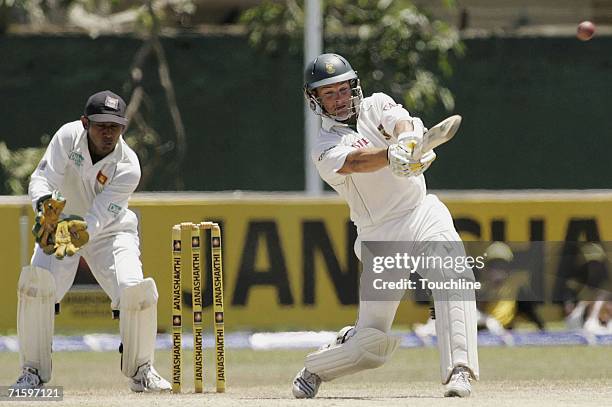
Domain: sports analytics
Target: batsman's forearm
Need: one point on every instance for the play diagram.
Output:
(365, 160)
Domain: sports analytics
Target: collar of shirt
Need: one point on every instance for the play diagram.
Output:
(328, 123)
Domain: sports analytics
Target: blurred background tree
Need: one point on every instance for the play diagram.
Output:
(18, 164)
(395, 46)
(144, 18)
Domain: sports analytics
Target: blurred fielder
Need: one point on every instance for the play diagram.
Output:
(362, 152)
(80, 193)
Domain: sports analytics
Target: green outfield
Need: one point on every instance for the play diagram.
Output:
(552, 376)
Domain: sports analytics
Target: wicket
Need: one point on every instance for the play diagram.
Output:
(198, 231)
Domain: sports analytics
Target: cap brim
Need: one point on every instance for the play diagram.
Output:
(107, 118)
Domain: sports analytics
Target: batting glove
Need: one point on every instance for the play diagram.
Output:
(402, 165)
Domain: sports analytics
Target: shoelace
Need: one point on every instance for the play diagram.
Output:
(24, 379)
(312, 379)
(27, 378)
(150, 377)
(463, 378)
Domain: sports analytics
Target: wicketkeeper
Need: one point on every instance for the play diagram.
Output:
(80, 193)
(363, 153)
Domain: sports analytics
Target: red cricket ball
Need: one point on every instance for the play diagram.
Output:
(585, 30)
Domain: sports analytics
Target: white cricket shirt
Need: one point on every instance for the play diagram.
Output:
(97, 192)
(372, 196)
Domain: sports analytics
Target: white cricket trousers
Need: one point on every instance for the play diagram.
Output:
(430, 221)
(114, 262)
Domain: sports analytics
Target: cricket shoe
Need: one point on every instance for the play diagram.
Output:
(148, 380)
(306, 384)
(459, 384)
(29, 379)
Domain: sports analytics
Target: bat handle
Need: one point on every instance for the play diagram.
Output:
(414, 149)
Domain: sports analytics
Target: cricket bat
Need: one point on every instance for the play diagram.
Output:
(437, 135)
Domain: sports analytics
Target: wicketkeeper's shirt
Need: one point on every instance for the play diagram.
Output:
(373, 196)
(97, 192)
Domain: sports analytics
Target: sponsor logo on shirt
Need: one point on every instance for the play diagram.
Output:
(42, 165)
(361, 143)
(101, 178)
(386, 135)
(76, 157)
(114, 209)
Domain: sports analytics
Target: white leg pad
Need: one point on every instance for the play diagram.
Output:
(138, 325)
(456, 315)
(367, 349)
(456, 320)
(35, 319)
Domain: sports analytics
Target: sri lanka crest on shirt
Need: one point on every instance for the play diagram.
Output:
(101, 178)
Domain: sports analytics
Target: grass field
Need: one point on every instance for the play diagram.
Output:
(546, 376)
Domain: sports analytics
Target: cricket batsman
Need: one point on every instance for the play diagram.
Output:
(363, 153)
(79, 192)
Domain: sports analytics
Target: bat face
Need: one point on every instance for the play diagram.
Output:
(441, 133)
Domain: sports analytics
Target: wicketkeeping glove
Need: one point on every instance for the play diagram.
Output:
(402, 165)
(49, 208)
(70, 235)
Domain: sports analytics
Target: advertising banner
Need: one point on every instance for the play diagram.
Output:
(288, 260)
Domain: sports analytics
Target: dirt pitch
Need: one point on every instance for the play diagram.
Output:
(544, 376)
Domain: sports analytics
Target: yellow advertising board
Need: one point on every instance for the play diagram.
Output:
(288, 260)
